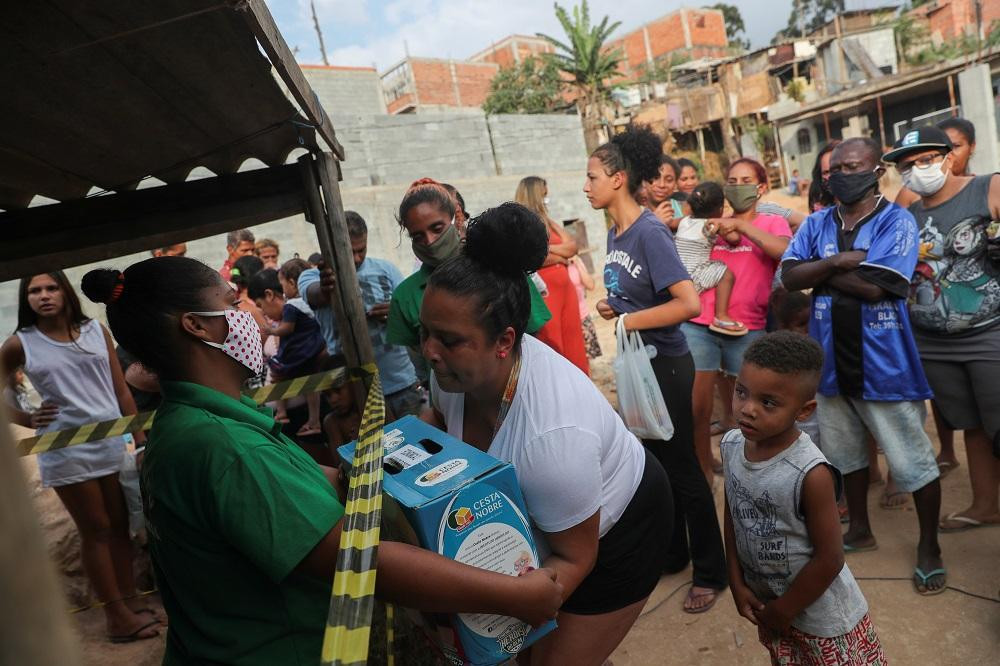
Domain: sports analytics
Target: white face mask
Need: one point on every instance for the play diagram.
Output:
(243, 342)
(545, 201)
(927, 181)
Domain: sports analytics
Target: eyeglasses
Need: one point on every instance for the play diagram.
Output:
(920, 163)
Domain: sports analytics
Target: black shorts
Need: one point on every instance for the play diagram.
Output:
(967, 393)
(630, 556)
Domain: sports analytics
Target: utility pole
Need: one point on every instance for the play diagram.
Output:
(319, 33)
(979, 30)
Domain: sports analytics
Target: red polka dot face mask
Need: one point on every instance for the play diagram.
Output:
(243, 341)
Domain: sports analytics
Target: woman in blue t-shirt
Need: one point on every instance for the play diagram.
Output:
(649, 287)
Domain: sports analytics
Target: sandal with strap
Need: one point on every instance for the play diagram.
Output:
(732, 328)
(134, 636)
(925, 577)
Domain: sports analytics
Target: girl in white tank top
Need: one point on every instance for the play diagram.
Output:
(70, 362)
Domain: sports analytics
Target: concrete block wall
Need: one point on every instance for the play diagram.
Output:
(382, 150)
(399, 149)
(346, 91)
(533, 145)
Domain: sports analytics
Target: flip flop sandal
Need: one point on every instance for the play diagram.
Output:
(966, 523)
(134, 636)
(925, 577)
(694, 611)
(283, 420)
(848, 548)
(886, 501)
(732, 328)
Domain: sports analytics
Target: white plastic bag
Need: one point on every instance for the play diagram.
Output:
(128, 477)
(640, 401)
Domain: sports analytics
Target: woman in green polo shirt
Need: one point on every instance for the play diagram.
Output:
(429, 216)
(244, 526)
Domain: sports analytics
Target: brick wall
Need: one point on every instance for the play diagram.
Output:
(958, 18)
(474, 81)
(433, 80)
(667, 34)
(706, 27)
(510, 50)
(400, 103)
(445, 83)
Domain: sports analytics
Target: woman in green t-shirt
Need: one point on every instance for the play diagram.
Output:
(244, 526)
(436, 227)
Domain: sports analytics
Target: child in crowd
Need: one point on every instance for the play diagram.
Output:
(792, 311)
(783, 540)
(343, 422)
(582, 283)
(301, 346)
(288, 276)
(15, 393)
(695, 239)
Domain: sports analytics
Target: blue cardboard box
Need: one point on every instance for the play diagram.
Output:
(451, 498)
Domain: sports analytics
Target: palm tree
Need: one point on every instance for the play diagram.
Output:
(589, 63)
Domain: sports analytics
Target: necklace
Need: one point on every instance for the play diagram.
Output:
(508, 395)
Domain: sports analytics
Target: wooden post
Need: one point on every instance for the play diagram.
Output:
(326, 212)
(951, 94)
(881, 120)
(826, 125)
(32, 610)
(781, 157)
(844, 79)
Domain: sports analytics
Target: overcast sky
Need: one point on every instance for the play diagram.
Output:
(367, 32)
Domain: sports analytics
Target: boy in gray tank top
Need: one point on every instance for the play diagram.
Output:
(783, 540)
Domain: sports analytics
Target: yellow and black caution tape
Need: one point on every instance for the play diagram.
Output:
(348, 628)
(92, 432)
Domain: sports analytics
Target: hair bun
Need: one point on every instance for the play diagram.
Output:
(508, 239)
(422, 182)
(642, 149)
(100, 285)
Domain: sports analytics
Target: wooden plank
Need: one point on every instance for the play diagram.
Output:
(264, 28)
(355, 341)
(100, 228)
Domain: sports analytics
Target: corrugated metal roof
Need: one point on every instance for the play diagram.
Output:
(106, 93)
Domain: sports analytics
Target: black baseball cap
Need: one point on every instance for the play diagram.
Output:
(918, 140)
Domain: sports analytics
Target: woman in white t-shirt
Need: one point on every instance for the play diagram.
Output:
(596, 498)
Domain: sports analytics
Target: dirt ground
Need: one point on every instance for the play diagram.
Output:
(950, 628)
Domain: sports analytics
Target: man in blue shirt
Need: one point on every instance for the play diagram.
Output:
(377, 279)
(858, 257)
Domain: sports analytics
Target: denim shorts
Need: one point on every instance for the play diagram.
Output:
(898, 428)
(717, 351)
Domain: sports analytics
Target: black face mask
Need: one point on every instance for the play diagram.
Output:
(852, 187)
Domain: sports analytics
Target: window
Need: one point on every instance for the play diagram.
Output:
(805, 141)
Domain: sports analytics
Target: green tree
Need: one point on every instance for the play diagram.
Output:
(909, 34)
(809, 15)
(735, 30)
(659, 70)
(531, 86)
(591, 66)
